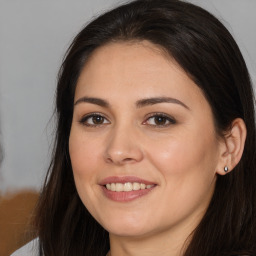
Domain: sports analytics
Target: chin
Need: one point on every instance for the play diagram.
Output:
(128, 229)
(128, 233)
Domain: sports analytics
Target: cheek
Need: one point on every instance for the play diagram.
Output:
(83, 154)
(184, 155)
(187, 165)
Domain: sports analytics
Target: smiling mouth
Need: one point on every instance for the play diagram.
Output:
(127, 186)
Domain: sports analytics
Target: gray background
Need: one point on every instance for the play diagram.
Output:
(34, 35)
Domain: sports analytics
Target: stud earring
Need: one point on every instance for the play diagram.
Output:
(225, 169)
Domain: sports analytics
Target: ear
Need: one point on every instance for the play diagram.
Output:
(232, 146)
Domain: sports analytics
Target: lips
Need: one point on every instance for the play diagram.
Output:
(127, 188)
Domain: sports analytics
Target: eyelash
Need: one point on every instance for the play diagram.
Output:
(84, 119)
(166, 118)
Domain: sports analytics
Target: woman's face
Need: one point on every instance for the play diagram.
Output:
(142, 127)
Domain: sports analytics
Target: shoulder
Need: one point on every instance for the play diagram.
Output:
(29, 249)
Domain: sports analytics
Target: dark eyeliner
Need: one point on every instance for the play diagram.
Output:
(169, 118)
(83, 120)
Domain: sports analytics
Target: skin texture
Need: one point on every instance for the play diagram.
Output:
(181, 157)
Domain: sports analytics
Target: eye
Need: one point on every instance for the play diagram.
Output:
(94, 120)
(160, 120)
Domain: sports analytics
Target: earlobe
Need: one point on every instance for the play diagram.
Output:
(232, 147)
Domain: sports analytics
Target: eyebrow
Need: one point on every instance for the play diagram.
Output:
(96, 101)
(139, 104)
(157, 100)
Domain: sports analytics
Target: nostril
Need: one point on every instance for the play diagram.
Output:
(117, 156)
(109, 160)
(127, 159)
(120, 161)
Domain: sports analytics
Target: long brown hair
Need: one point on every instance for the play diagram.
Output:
(204, 48)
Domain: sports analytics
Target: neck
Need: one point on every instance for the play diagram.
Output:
(163, 244)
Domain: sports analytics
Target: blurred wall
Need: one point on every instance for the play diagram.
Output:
(33, 38)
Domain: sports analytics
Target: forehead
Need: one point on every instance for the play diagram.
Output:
(134, 69)
(134, 53)
(143, 47)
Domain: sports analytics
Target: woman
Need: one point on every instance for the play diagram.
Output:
(155, 144)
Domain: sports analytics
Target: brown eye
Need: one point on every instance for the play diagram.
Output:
(98, 120)
(160, 120)
(94, 120)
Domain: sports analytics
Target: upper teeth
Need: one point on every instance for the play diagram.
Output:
(128, 186)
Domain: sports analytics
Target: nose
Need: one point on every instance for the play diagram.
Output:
(123, 147)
